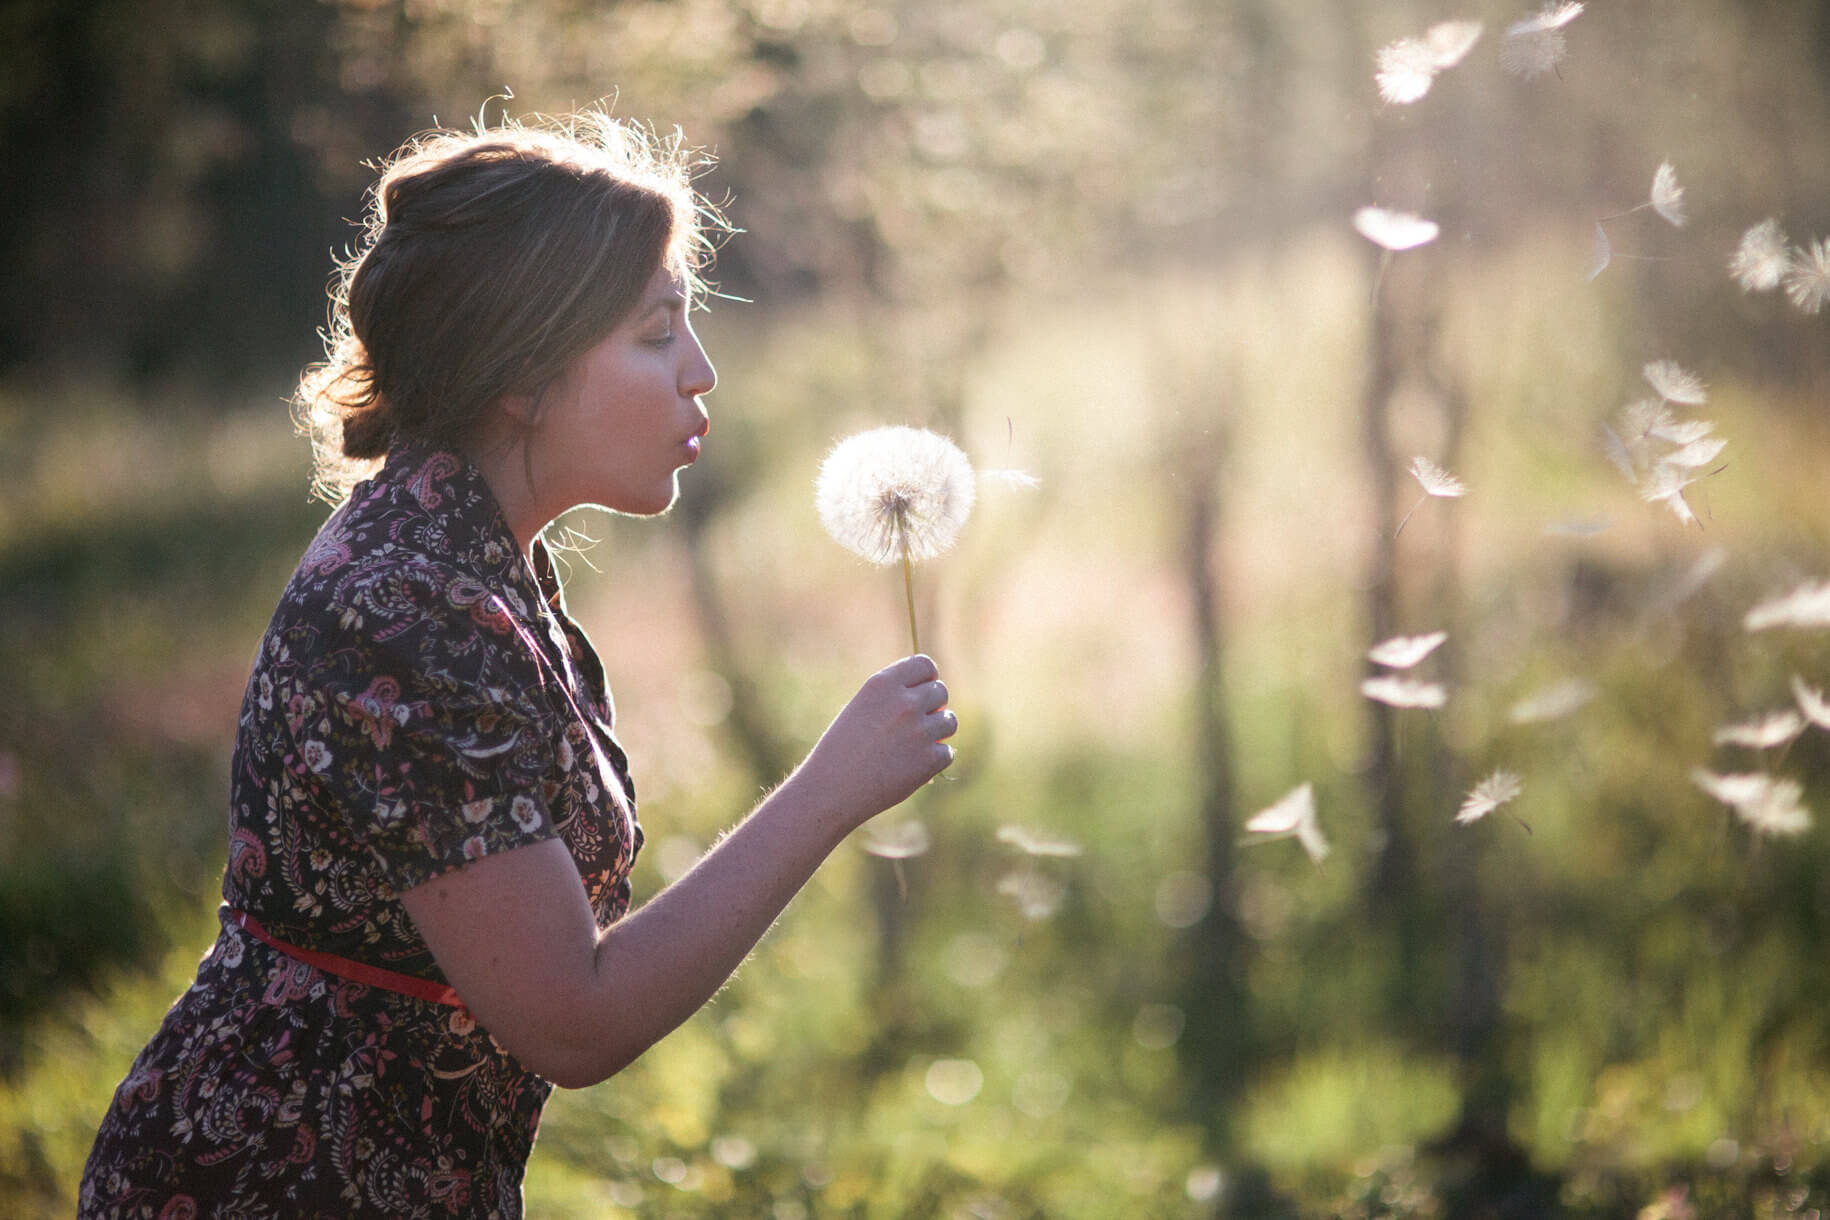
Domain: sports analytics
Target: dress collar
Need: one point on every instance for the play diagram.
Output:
(468, 522)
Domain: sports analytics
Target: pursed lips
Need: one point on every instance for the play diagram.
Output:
(693, 442)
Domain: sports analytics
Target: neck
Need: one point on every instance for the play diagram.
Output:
(504, 466)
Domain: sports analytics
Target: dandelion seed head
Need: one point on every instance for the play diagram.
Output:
(1394, 691)
(1394, 230)
(895, 491)
(1488, 795)
(1766, 732)
(1762, 259)
(1667, 195)
(1435, 480)
(1808, 280)
(1404, 651)
(1674, 384)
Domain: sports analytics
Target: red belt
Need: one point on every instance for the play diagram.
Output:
(344, 968)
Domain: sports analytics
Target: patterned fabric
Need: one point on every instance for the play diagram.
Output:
(419, 701)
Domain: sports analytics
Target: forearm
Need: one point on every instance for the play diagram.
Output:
(657, 966)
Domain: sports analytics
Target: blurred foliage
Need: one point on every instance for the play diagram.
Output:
(1111, 251)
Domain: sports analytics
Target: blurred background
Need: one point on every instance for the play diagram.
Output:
(1109, 245)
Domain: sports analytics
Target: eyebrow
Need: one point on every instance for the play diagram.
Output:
(668, 300)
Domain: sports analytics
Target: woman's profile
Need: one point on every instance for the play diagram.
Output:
(426, 919)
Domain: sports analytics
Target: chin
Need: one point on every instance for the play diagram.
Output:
(654, 506)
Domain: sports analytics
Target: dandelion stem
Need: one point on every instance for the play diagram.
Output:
(1407, 516)
(1638, 207)
(908, 591)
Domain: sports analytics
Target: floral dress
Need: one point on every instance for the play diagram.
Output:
(419, 701)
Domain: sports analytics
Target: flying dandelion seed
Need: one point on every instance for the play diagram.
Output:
(1395, 230)
(1534, 53)
(1675, 384)
(1553, 702)
(1036, 894)
(1665, 484)
(1292, 816)
(1602, 253)
(1623, 456)
(1766, 732)
(1733, 789)
(1404, 651)
(1578, 527)
(1536, 45)
(896, 495)
(1643, 418)
(1435, 481)
(1768, 805)
(1808, 605)
(1036, 842)
(1399, 692)
(1021, 480)
(1694, 577)
(1667, 196)
(1408, 67)
(1406, 70)
(1450, 41)
(1682, 433)
(1808, 280)
(1811, 702)
(1697, 453)
(1762, 259)
(1551, 17)
(1497, 789)
(903, 841)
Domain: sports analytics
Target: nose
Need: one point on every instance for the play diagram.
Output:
(698, 376)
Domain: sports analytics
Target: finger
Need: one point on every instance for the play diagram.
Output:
(933, 695)
(949, 725)
(913, 671)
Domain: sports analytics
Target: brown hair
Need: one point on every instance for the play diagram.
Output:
(491, 259)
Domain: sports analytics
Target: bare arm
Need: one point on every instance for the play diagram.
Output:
(516, 938)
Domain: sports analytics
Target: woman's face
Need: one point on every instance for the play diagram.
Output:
(615, 428)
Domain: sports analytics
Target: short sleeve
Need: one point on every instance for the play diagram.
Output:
(426, 737)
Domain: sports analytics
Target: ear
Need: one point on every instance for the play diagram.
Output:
(520, 409)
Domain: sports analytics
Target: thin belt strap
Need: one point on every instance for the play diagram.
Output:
(344, 968)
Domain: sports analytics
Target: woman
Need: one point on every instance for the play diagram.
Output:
(431, 824)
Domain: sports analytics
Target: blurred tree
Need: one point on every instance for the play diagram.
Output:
(170, 210)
